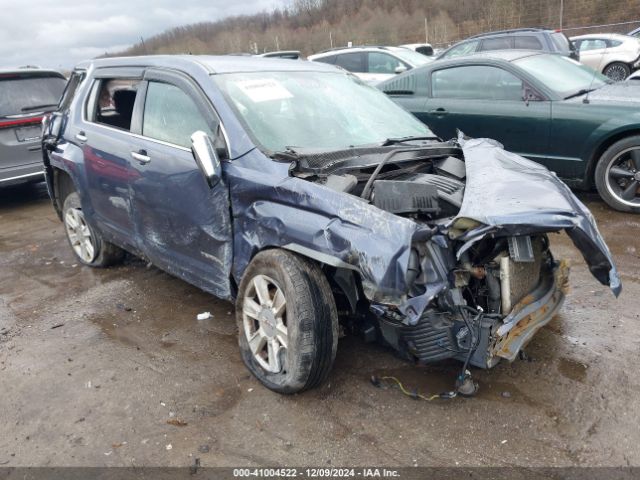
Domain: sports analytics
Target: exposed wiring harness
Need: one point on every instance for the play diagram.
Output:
(378, 382)
(464, 384)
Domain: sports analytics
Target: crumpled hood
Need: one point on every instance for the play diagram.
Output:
(510, 195)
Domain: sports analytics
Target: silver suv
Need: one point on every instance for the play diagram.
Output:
(26, 95)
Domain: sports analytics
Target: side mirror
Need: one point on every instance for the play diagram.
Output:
(528, 95)
(206, 157)
(400, 69)
(51, 129)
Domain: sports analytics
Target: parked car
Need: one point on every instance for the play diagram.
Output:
(548, 108)
(25, 95)
(616, 56)
(299, 192)
(544, 40)
(423, 48)
(372, 64)
(635, 33)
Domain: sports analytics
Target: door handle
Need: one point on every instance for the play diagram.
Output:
(438, 111)
(141, 156)
(81, 137)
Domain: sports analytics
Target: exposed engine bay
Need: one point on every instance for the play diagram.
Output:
(464, 299)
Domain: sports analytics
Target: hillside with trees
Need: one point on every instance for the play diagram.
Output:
(314, 25)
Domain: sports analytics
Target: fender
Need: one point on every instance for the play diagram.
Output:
(272, 209)
(599, 141)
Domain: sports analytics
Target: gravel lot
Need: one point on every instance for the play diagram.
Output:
(111, 368)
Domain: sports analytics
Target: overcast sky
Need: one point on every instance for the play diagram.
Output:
(59, 33)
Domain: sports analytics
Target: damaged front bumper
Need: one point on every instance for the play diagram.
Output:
(531, 314)
(441, 335)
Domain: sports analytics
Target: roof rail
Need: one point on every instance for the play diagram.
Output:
(512, 30)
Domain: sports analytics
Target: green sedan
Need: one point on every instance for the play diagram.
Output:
(545, 107)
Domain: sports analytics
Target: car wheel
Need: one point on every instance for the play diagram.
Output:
(287, 321)
(617, 175)
(87, 244)
(617, 71)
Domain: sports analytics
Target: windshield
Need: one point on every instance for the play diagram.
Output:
(21, 94)
(315, 110)
(413, 58)
(561, 74)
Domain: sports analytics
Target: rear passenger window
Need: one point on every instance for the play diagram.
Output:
(353, 62)
(170, 115)
(115, 100)
(527, 42)
(499, 43)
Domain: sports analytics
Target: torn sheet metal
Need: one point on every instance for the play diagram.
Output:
(505, 195)
(516, 196)
(272, 209)
(414, 307)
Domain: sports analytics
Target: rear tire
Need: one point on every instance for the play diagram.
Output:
(287, 321)
(617, 71)
(617, 175)
(88, 245)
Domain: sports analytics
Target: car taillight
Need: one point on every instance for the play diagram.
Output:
(14, 122)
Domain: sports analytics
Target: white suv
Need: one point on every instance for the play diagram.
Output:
(372, 64)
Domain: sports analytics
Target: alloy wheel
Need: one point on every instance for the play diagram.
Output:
(623, 177)
(80, 235)
(265, 323)
(617, 73)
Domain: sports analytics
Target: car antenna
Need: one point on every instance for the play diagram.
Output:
(595, 72)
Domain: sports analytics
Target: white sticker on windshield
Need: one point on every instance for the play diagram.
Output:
(264, 90)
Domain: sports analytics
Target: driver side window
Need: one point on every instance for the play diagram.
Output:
(480, 82)
(170, 115)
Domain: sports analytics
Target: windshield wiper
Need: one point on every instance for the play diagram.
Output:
(288, 155)
(35, 107)
(394, 141)
(579, 93)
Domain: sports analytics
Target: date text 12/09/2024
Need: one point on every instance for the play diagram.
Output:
(316, 472)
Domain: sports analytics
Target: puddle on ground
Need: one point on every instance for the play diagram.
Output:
(212, 402)
(572, 369)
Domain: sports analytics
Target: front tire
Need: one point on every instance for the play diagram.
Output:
(617, 175)
(287, 321)
(88, 245)
(617, 71)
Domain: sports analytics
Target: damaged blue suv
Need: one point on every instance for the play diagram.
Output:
(312, 200)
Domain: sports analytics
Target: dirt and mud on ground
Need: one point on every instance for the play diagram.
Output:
(111, 368)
